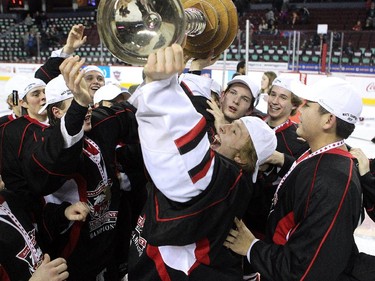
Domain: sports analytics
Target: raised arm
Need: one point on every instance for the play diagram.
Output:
(171, 131)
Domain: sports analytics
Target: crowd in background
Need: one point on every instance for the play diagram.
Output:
(94, 167)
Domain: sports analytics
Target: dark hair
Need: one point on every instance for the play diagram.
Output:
(271, 76)
(52, 118)
(343, 128)
(296, 101)
(23, 109)
(241, 64)
(132, 88)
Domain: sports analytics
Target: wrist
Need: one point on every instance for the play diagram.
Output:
(83, 102)
(67, 51)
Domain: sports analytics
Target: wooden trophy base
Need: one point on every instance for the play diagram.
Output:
(221, 28)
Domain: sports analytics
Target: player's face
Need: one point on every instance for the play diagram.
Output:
(279, 104)
(34, 101)
(236, 102)
(311, 121)
(230, 139)
(94, 80)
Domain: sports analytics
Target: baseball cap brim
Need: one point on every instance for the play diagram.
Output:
(244, 79)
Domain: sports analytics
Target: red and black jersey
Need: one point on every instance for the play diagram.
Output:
(21, 249)
(195, 193)
(89, 247)
(288, 141)
(6, 118)
(312, 222)
(197, 230)
(267, 181)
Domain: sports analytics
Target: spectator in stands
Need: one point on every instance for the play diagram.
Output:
(294, 18)
(43, 21)
(263, 26)
(370, 14)
(29, 21)
(357, 26)
(30, 43)
(368, 24)
(270, 17)
(273, 30)
(336, 38)
(349, 49)
(52, 36)
(265, 86)
(315, 40)
(283, 15)
(241, 69)
(38, 19)
(305, 15)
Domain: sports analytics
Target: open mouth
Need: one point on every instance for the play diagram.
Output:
(274, 108)
(232, 109)
(216, 142)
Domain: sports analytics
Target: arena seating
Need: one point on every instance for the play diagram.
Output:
(268, 47)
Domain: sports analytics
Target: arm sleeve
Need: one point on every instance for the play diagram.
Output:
(173, 139)
(368, 189)
(54, 220)
(288, 162)
(49, 70)
(59, 54)
(197, 85)
(71, 124)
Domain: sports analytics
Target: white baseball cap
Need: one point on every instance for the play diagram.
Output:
(30, 85)
(216, 88)
(107, 92)
(56, 91)
(289, 83)
(263, 138)
(337, 96)
(15, 83)
(93, 68)
(245, 79)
